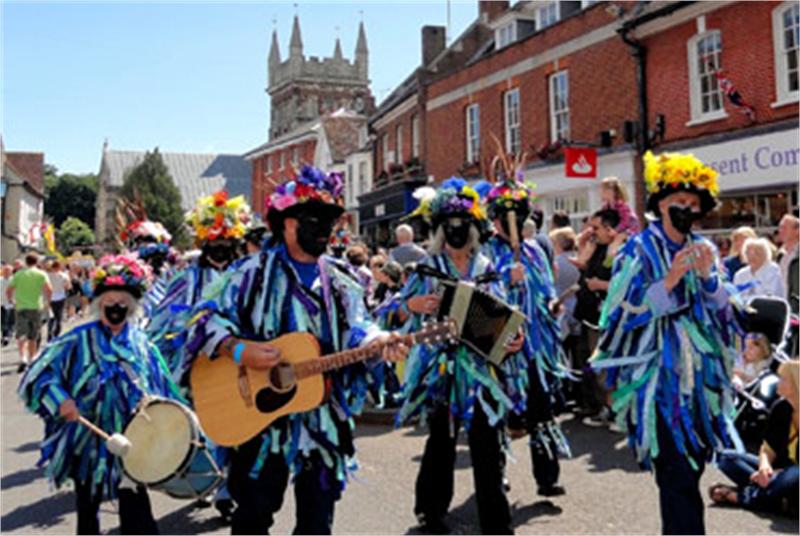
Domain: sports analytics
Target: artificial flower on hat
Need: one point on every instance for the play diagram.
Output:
(668, 173)
(310, 188)
(218, 217)
(120, 272)
(146, 230)
(453, 198)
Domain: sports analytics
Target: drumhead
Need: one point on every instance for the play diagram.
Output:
(161, 439)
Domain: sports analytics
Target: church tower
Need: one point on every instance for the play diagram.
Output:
(302, 89)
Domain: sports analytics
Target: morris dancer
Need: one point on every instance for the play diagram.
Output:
(448, 386)
(99, 370)
(531, 287)
(667, 339)
(150, 241)
(219, 224)
(289, 287)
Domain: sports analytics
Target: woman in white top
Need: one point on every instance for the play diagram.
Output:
(761, 271)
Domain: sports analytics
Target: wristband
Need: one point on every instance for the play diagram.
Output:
(238, 350)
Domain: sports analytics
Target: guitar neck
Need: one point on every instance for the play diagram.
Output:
(330, 362)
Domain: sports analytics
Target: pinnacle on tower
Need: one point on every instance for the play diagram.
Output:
(361, 44)
(274, 50)
(337, 50)
(362, 54)
(296, 43)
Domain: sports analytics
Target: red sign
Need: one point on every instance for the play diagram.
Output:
(580, 163)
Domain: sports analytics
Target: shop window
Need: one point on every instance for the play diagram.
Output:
(473, 131)
(762, 211)
(705, 93)
(575, 205)
(559, 106)
(512, 120)
(786, 34)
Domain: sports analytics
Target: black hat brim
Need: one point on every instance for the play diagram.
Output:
(136, 292)
(321, 209)
(707, 201)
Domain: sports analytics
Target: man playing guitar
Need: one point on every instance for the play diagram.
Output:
(292, 286)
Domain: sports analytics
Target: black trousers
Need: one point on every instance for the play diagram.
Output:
(544, 452)
(434, 488)
(7, 322)
(54, 323)
(316, 491)
(679, 495)
(135, 514)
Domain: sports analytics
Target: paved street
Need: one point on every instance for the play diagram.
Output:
(606, 493)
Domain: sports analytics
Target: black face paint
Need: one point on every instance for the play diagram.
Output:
(220, 254)
(115, 314)
(683, 218)
(313, 234)
(456, 232)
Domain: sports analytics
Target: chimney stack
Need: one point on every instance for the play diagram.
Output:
(433, 42)
(488, 10)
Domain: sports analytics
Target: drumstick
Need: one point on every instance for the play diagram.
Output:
(117, 444)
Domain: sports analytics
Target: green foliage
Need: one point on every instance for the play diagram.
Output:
(73, 234)
(69, 195)
(152, 182)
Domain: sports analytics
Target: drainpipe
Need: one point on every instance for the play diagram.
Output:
(639, 52)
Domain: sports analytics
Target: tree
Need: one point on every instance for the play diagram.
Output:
(152, 182)
(69, 195)
(73, 234)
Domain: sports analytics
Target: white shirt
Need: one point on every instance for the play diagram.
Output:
(59, 282)
(768, 280)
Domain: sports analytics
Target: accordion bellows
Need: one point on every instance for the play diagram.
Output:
(484, 323)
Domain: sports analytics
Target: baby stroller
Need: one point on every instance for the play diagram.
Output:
(768, 316)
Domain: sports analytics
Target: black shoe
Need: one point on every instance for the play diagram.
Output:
(225, 508)
(551, 491)
(435, 525)
(21, 368)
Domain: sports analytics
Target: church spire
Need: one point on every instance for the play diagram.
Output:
(362, 53)
(296, 43)
(274, 54)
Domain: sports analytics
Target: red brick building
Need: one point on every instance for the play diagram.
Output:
(400, 147)
(755, 46)
(552, 74)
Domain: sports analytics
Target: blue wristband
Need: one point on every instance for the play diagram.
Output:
(237, 353)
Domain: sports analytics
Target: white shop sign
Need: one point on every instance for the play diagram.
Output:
(758, 161)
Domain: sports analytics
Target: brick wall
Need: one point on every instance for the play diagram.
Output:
(602, 94)
(747, 57)
(264, 181)
(390, 129)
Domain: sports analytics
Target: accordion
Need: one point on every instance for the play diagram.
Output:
(483, 322)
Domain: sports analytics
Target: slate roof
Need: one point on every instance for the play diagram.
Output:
(195, 175)
(29, 166)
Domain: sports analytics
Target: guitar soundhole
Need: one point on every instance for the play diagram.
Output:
(269, 400)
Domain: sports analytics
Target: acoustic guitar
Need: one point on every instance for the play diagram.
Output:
(235, 403)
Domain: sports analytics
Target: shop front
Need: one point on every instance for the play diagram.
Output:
(579, 197)
(381, 210)
(758, 180)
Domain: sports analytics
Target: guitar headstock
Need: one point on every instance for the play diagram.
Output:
(437, 332)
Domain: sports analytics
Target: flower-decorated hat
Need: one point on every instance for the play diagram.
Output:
(217, 217)
(148, 238)
(454, 198)
(510, 195)
(668, 173)
(120, 272)
(310, 190)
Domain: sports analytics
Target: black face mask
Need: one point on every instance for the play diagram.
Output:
(115, 314)
(683, 218)
(313, 234)
(220, 254)
(456, 232)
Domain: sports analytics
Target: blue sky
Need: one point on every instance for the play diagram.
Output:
(187, 77)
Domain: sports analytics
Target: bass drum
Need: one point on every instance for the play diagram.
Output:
(168, 452)
(752, 408)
